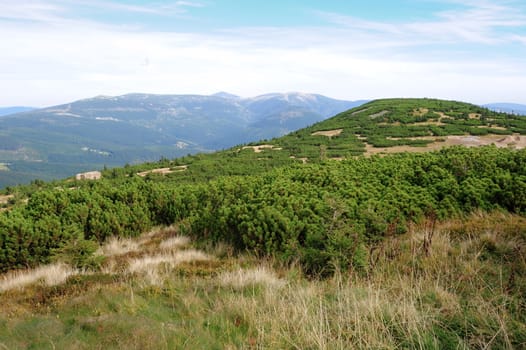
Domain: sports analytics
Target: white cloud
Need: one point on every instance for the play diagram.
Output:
(481, 22)
(176, 7)
(53, 58)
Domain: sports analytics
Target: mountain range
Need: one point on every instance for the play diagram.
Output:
(513, 108)
(13, 110)
(58, 141)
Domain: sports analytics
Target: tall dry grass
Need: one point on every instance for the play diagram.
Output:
(174, 243)
(119, 246)
(243, 278)
(448, 292)
(168, 259)
(49, 275)
(155, 269)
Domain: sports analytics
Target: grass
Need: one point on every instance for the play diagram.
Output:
(243, 278)
(49, 275)
(174, 243)
(458, 285)
(119, 246)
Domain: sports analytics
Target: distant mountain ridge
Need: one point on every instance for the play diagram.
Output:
(14, 109)
(514, 108)
(59, 141)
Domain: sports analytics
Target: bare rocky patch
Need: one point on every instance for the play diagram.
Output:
(163, 171)
(303, 160)
(429, 122)
(328, 133)
(379, 114)
(420, 112)
(5, 198)
(260, 148)
(360, 111)
(514, 141)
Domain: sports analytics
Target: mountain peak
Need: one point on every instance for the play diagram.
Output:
(226, 95)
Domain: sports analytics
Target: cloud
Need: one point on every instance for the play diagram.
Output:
(55, 57)
(480, 22)
(171, 8)
(53, 11)
(30, 11)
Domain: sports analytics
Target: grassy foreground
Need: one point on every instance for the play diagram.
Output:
(459, 284)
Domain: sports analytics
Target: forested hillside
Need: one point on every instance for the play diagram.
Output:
(314, 212)
(443, 230)
(285, 196)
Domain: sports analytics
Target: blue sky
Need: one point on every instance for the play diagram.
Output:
(57, 51)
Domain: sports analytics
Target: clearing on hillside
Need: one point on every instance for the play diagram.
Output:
(163, 171)
(260, 148)
(328, 133)
(515, 141)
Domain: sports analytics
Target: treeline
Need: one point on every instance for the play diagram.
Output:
(321, 215)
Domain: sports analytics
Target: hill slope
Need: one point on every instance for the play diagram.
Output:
(412, 250)
(382, 126)
(59, 141)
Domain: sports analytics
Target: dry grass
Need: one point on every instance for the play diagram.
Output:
(445, 295)
(407, 295)
(174, 243)
(150, 240)
(119, 246)
(121, 256)
(49, 275)
(169, 259)
(332, 315)
(155, 269)
(242, 278)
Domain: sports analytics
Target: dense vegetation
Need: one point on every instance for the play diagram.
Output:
(271, 202)
(86, 146)
(395, 122)
(458, 284)
(408, 250)
(322, 214)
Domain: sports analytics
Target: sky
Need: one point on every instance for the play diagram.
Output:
(58, 51)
